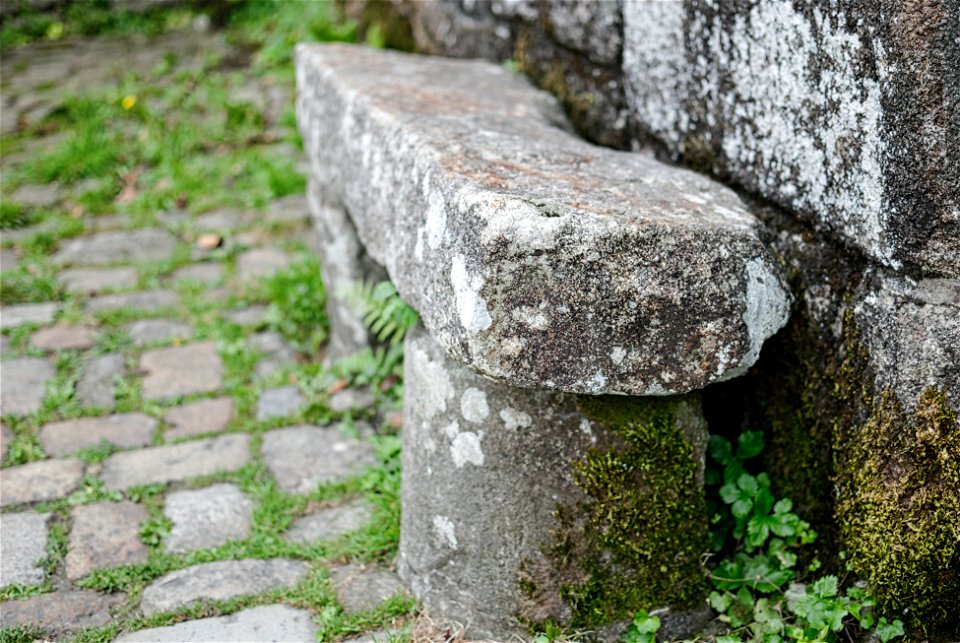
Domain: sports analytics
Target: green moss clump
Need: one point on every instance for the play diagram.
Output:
(898, 507)
(636, 539)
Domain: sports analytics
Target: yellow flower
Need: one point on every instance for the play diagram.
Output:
(128, 101)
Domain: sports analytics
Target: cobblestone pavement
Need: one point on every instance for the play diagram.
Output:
(168, 471)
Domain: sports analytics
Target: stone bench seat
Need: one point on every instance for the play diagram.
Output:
(534, 257)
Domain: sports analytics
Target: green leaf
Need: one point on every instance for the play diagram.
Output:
(749, 444)
(719, 602)
(748, 484)
(720, 449)
(887, 631)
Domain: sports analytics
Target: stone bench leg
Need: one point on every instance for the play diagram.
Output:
(522, 507)
(345, 264)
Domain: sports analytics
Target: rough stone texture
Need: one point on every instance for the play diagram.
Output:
(843, 116)
(105, 534)
(330, 523)
(144, 244)
(150, 331)
(492, 468)
(176, 462)
(276, 353)
(22, 384)
(207, 273)
(351, 400)
(279, 402)
(60, 612)
(302, 457)
(260, 263)
(13, 316)
(24, 544)
(265, 623)
(148, 301)
(98, 380)
(94, 280)
(124, 430)
(220, 581)
(202, 416)
(207, 517)
(360, 588)
(181, 370)
(62, 338)
(37, 481)
(503, 229)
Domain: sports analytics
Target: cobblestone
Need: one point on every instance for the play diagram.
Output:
(206, 273)
(176, 461)
(61, 338)
(303, 457)
(95, 280)
(351, 400)
(279, 402)
(151, 331)
(181, 370)
(264, 623)
(220, 581)
(124, 430)
(360, 588)
(37, 481)
(6, 437)
(145, 244)
(24, 538)
(97, 383)
(60, 612)
(207, 517)
(250, 316)
(23, 385)
(260, 263)
(146, 301)
(13, 316)
(330, 523)
(202, 416)
(105, 534)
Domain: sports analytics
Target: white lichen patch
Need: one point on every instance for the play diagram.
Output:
(452, 429)
(617, 354)
(466, 448)
(435, 388)
(514, 419)
(766, 309)
(436, 224)
(531, 317)
(473, 405)
(586, 427)
(444, 529)
(471, 308)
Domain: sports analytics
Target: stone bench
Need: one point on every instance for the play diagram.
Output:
(547, 272)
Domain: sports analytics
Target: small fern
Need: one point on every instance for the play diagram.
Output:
(383, 310)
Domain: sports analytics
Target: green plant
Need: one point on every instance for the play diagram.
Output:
(383, 310)
(297, 304)
(643, 629)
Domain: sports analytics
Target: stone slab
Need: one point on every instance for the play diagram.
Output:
(202, 416)
(123, 430)
(509, 233)
(23, 384)
(330, 523)
(351, 400)
(95, 280)
(37, 481)
(205, 273)
(181, 370)
(105, 534)
(279, 402)
(207, 517)
(144, 244)
(360, 588)
(150, 331)
(265, 623)
(302, 457)
(220, 581)
(97, 383)
(260, 263)
(37, 196)
(60, 338)
(20, 314)
(61, 612)
(276, 353)
(24, 545)
(147, 301)
(176, 462)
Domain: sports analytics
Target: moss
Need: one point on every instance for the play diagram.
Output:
(635, 541)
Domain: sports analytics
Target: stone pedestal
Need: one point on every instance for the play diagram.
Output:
(522, 507)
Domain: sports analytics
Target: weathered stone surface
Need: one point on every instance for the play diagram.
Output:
(493, 468)
(124, 430)
(279, 402)
(265, 623)
(330, 523)
(60, 612)
(360, 588)
(276, 353)
(150, 331)
(144, 244)
(105, 534)
(94, 280)
(148, 301)
(13, 316)
(181, 370)
(98, 380)
(202, 416)
(207, 517)
(802, 105)
(41, 480)
(261, 262)
(220, 581)
(302, 457)
(462, 185)
(593, 28)
(61, 338)
(249, 316)
(206, 273)
(24, 537)
(176, 461)
(351, 400)
(22, 384)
